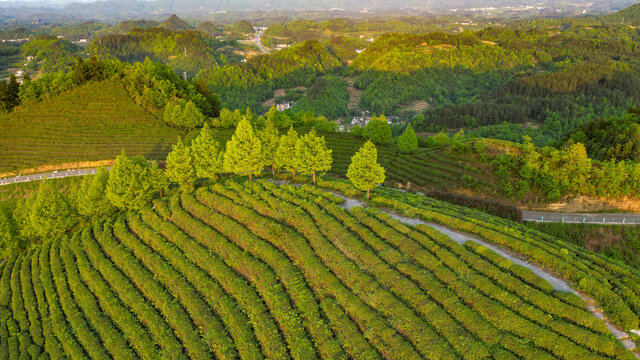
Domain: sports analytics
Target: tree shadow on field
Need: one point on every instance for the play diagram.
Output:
(160, 150)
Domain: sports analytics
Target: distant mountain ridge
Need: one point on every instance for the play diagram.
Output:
(129, 8)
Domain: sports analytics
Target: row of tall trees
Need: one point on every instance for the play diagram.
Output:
(247, 153)
(133, 182)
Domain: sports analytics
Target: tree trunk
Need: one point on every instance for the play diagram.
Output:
(273, 170)
(251, 176)
(367, 193)
(314, 180)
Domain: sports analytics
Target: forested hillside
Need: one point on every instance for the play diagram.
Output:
(188, 51)
(247, 85)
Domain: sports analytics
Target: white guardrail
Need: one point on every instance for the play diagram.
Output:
(50, 175)
(571, 218)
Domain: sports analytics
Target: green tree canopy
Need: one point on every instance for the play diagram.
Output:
(270, 140)
(133, 182)
(243, 154)
(312, 155)
(207, 155)
(378, 130)
(51, 213)
(279, 119)
(8, 240)
(364, 171)
(408, 141)
(9, 93)
(180, 167)
(183, 114)
(286, 153)
(92, 198)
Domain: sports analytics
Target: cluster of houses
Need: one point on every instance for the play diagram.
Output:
(363, 119)
(285, 105)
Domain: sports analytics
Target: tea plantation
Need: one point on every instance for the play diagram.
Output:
(255, 270)
(437, 168)
(92, 122)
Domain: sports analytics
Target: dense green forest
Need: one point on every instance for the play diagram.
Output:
(610, 138)
(183, 51)
(247, 85)
(327, 96)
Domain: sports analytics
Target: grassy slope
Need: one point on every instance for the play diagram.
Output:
(288, 274)
(93, 122)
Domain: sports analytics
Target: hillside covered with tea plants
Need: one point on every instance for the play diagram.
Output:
(255, 270)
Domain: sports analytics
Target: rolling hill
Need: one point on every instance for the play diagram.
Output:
(256, 270)
(628, 16)
(92, 122)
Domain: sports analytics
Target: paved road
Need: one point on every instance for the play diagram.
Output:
(49, 175)
(576, 218)
(259, 43)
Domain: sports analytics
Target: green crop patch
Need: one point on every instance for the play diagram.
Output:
(92, 122)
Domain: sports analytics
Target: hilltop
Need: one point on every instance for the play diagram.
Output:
(174, 23)
(92, 122)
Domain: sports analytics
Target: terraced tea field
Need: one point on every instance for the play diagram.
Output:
(92, 122)
(436, 169)
(425, 168)
(254, 270)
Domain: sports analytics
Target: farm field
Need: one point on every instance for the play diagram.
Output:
(92, 122)
(255, 270)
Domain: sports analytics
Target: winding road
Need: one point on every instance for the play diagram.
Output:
(259, 43)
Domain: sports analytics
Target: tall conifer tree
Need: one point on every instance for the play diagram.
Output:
(180, 168)
(364, 171)
(243, 154)
(312, 155)
(286, 153)
(207, 157)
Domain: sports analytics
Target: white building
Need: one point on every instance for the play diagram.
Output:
(285, 106)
